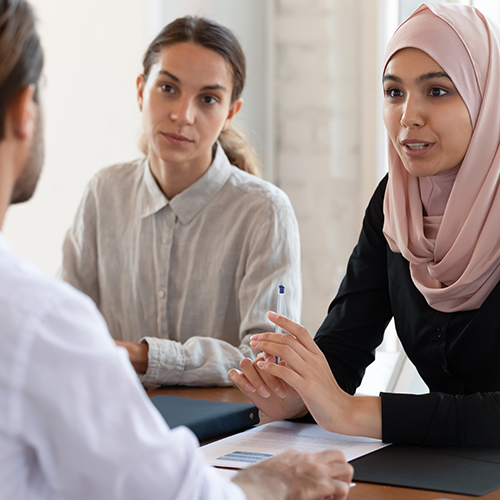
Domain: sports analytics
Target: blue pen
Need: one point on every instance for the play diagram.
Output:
(279, 310)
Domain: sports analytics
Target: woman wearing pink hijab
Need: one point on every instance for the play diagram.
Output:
(428, 255)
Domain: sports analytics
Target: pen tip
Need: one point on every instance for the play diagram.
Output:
(281, 289)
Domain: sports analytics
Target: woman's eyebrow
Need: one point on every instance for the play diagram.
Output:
(170, 75)
(392, 78)
(178, 80)
(431, 75)
(420, 79)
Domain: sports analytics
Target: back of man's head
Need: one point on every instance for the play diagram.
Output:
(21, 55)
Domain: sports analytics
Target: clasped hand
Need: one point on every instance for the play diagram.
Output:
(301, 381)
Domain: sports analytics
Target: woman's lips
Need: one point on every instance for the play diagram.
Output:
(176, 139)
(415, 148)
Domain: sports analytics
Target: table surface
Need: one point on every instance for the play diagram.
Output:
(362, 491)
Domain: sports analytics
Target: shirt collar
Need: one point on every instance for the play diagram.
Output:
(189, 202)
(3, 242)
(153, 199)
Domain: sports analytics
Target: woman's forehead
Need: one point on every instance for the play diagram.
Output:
(193, 61)
(412, 60)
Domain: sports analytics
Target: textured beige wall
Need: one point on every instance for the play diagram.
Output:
(326, 54)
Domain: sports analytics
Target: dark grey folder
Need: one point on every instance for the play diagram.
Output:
(466, 471)
(206, 419)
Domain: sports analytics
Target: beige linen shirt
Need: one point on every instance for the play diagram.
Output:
(192, 276)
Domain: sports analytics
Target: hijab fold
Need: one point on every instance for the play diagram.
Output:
(448, 226)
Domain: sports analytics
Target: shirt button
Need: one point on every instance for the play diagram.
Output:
(161, 294)
(439, 333)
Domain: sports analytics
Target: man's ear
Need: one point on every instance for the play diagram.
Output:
(21, 113)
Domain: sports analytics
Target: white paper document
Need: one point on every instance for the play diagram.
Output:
(264, 441)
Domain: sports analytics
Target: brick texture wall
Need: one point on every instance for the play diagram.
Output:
(319, 143)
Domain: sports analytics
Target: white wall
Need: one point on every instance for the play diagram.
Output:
(93, 52)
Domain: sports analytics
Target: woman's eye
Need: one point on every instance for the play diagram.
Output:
(393, 93)
(208, 99)
(437, 92)
(167, 88)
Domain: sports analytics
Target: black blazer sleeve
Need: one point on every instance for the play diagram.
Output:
(457, 354)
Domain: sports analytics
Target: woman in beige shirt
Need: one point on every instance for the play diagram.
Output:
(183, 250)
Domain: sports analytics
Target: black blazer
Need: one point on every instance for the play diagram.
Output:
(456, 354)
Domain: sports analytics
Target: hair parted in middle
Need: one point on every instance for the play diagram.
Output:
(213, 36)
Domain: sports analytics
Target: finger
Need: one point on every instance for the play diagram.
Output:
(256, 342)
(267, 357)
(262, 356)
(239, 379)
(337, 465)
(254, 378)
(274, 384)
(342, 471)
(339, 490)
(282, 372)
(286, 348)
(292, 327)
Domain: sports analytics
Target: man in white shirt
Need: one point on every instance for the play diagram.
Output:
(74, 421)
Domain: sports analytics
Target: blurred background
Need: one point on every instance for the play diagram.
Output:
(312, 109)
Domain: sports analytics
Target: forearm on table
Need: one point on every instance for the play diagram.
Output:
(139, 357)
(364, 417)
(200, 361)
(346, 414)
(137, 353)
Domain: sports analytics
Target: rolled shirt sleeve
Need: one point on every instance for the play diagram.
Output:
(192, 276)
(272, 258)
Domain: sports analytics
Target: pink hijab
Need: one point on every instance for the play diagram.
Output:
(454, 251)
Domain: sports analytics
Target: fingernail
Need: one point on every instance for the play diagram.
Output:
(250, 388)
(261, 364)
(255, 337)
(280, 392)
(254, 343)
(272, 315)
(264, 392)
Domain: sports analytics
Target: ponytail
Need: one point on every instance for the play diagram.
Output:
(221, 40)
(239, 151)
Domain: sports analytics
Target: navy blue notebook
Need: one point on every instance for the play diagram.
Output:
(206, 419)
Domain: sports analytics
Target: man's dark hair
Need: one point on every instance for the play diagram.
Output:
(21, 55)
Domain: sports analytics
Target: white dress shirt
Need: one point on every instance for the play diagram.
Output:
(192, 276)
(75, 422)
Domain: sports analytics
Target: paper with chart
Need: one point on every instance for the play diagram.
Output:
(264, 441)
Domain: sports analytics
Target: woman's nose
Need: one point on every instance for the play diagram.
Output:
(412, 114)
(183, 112)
